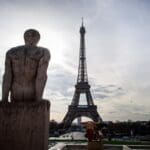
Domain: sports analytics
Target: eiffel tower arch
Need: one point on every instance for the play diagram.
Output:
(75, 110)
(81, 111)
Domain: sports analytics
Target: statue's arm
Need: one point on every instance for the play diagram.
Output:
(7, 79)
(42, 75)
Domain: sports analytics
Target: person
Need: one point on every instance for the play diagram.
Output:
(25, 70)
(90, 131)
(94, 136)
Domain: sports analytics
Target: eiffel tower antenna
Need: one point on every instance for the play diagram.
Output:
(82, 21)
(82, 87)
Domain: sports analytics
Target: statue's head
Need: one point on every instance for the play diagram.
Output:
(31, 37)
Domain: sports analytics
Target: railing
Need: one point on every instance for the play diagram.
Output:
(83, 106)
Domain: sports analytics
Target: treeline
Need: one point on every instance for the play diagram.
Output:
(128, 128)
(112, 129)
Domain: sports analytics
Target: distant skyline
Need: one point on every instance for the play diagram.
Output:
(117, 48)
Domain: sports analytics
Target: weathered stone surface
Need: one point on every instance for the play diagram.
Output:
(25, 70)
(95, 145)
(24, 126)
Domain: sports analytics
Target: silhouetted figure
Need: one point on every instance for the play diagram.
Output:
(26, 70)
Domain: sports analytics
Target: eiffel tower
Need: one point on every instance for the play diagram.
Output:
(82, 87)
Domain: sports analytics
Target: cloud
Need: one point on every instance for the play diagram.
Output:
(117, 48)
(60, 80)
(107, 91)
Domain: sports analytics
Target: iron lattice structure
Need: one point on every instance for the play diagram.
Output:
(82, 87)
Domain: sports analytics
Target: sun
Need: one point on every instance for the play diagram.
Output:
(55, 42)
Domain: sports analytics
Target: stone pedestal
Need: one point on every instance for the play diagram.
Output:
(24, 126)
(95, 145)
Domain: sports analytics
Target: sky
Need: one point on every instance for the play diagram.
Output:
(117, 50)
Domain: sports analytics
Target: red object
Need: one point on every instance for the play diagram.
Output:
(90, 134)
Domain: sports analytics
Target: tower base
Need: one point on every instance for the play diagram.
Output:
(79, 111)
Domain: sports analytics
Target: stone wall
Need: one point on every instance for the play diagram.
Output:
(24, 126)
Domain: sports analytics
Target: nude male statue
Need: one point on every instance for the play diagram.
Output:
(25, 70)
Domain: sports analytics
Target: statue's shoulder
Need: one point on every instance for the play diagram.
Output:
(14, 51)
(45, 52)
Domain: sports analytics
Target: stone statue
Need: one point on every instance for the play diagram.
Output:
(25, 70)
